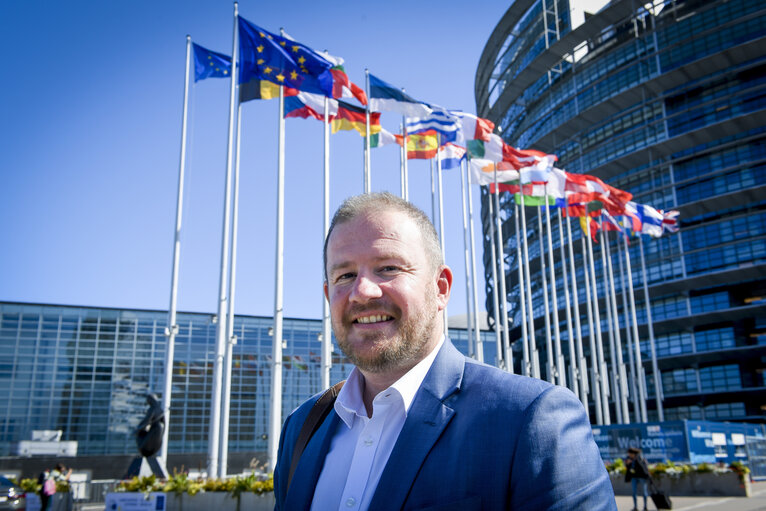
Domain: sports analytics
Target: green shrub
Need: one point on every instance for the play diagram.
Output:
(180, 483)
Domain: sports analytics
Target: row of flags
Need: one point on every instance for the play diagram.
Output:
(315, 85)
(314, 81)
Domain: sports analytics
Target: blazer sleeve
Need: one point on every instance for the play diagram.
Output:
(282, 469)
(557, 465)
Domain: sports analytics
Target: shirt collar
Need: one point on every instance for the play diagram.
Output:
(349, 402)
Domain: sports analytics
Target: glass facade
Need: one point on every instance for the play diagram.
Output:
(86, 371)
(665, 100)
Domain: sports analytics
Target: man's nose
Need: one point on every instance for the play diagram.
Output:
(365, 288)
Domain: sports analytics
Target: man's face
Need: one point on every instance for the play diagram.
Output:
(385, 297)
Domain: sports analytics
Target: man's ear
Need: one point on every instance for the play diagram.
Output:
(326, 291)
(443, 286)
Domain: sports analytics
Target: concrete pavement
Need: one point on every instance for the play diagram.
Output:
(756, 502)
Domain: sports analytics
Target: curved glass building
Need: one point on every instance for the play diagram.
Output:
(666, 100)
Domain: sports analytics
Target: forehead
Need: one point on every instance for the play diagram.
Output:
(378, 233)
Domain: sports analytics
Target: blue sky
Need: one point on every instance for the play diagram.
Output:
(91, 126)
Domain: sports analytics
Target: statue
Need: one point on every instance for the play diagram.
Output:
(150, 430)
(149, 441)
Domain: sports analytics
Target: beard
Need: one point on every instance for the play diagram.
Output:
(384, 352)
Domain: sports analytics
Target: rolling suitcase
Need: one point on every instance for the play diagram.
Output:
(659, 497)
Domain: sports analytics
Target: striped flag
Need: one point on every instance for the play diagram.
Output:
(491, 149)
(451, 155)
(439, 120)
(384, 137)
(422, 146)
(305, 104)
(384, 97)
(350, 117)
(472, 127)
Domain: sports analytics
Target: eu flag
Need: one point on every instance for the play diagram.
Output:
(267, 56)
(210, 64)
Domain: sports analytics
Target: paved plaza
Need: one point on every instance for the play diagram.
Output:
(756, 502)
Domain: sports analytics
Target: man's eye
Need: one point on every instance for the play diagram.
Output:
(344, 276)
(388, 269)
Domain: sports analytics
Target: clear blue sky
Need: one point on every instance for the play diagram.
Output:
(91, 120)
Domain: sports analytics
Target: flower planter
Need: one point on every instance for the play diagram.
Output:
(219, 501)
(694, 484)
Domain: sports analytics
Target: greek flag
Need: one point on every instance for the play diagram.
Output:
(439, 120)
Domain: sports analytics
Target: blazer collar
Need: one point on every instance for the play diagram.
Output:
(428, 416)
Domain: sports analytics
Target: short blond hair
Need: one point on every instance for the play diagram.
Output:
(358, 205)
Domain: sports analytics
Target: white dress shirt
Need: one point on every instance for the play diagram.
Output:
(362, 445)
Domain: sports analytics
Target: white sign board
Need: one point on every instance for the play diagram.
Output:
(135, 502)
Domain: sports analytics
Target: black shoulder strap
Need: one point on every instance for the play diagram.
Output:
(316, 416)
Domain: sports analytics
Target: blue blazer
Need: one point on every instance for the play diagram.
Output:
(475, 437)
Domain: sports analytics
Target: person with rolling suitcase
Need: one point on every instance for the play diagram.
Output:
(637, 472)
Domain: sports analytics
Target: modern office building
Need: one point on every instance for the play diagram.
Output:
(665, 99)
(86, 371)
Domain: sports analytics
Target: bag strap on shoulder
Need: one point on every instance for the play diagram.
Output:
(316, 416)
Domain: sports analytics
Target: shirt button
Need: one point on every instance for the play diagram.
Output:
(351, 502)
(368, 441)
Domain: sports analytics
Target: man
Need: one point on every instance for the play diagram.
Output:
(418, 425)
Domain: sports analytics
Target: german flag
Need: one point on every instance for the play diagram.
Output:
(350, 117)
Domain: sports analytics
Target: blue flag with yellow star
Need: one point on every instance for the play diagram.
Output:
(267, 56)
(210, 64)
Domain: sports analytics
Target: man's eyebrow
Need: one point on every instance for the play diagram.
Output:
(339, 266)
(378, 259)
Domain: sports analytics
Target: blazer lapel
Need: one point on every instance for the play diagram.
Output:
(301, 491)
(429, 414)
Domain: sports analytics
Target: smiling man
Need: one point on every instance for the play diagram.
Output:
(418, 425)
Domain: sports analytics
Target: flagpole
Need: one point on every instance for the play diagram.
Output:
(402, 159)
(506, 348)
(472, 340)
(613, 389)
(496, 291)
(602, 380)
(231, 339)
(650, 325)
(534, 360)
(406, 176)
(441, 217)
(629, 343)
(592, 329)
(367, 187)
(570, 336)
(474, 276)
(550, 368)
(275, 410)
(636, 341)
(623, 378)
(581, 362)
(172, 329)
(326, 355)
(215, 407)
(522, 304)
(561, 376)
